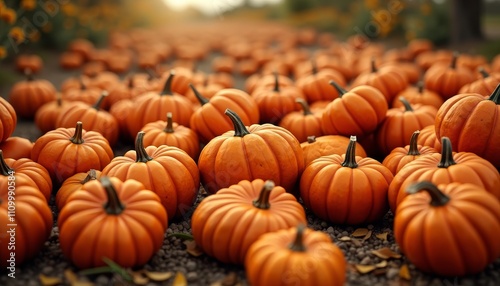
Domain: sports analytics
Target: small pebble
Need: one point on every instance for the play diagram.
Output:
(392, 273)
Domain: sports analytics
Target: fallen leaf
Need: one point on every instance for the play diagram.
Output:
(368, 235)
(180, 280)
(70, 276)
(192, 248)
(379, 271)
(356, 242)
(382, 236)
(49, 281)
(386, 253)
(363, 269)
(82, 283)
(158, 276)
(381, 264)
(404, 272)
(139, 279)
(345, 238)
(360, 232)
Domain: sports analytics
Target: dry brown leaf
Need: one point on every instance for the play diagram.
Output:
(356, 242)
(368, 235)
(49, 281)
(360, 232)
(139, 278)
(381, 264)
(382, 236)
(180, 280)
(386, 253)
(379, 271)
(158, 276)
(404, 272)
(363, 269)
(70, 276)
(82, 283)
(345, 238)
(192, 248)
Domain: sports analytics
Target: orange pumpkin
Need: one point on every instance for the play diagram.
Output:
(16, 147)
(316, 147)
(74, 183)
(484, 86)
(426, 224)
(86, 94)
(418, 95)
(428, 137)
(46, 115)
(316, 86)
(82, 46)
(8, 119)
(121, 111)
(226, 224)
(31, 62)
(71, 60)
(303, 124)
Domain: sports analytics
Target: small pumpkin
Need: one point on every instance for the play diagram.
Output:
(8, 119)
(418, 95)
(82, 46)
(74, 183)
(46, 115)
(31, 62)
(448, 229)
(484, 86)
(428, 137)
(71, 60)
(16, 147)
(316, 147)
(226, 224)
(125, 210)
(121, 111)
(317, 87)
(298, 256)
(303, 123)
(84, 93)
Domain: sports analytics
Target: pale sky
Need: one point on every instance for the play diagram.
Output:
(214, 7)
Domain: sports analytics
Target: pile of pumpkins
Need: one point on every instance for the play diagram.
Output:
(350, 128)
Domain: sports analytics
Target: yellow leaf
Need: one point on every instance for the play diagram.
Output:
(180, 280)
(360, 232)
(139, 278)
(363, 269)
(368, 235)
(82, 283)
(70, 276)
(192, 248)
(386, 253)
(356, 242)
(158, 276)
(345, 238)
(382, 236)
(404, 272)
(381, 264)
(49, 281)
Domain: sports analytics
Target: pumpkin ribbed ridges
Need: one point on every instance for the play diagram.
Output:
(113, 206)
(262, 202)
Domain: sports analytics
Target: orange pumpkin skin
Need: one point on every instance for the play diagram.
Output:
(168, 171)
(121, 111)
(484, 86)
(67, 151)
(29, 62)
(316, 86)
(34, 223)
(418, 95)
(226, 224)
(444, 168)
(303, 123)
(471, 123)
(316, 147)
(428, 137)
(72, 184)
(134, 215)
(317, 261)
(29, 95)
(71, 60)
(46, 115)
(428, 234)
(260, 152)
(346, 189)
(16, 148)
(86, 94)
(447, 79)
(8, 119)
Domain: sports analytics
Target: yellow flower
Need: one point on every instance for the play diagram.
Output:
(3, 52)
(17, 34)
(28, 5)
(8, 16)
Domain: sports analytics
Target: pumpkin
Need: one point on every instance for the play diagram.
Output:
(8, 119)
(96, 119)
(259, 81)
(224, 64)
(418, 46)
(27, 173)
(427, 59)
(209, 120)
(71, 60)
(207, 89)
(31, 227)
(30, 62)
(428, 137)
(297, 255)
(264, 151)
(346, 189)
(16, 147)
(316, 147)
(222, 78)
(317, 87)
(448, 229)
(125, 90)
(470, 121)
(401, 156)
(131, 216)
(247, 67)
(93, 68)
(443, 168)
(226, 224)
(166, 170)
(172, 134)
(400, 123)
(303, 124)
(81, 46)
(74, 183)
(104, 80)
(29, 95)
(86, 94)
(357, 112)
(120, 111)
(484, 86)
(67, 151)
(418, 95)
(46, 115)
(178, 83)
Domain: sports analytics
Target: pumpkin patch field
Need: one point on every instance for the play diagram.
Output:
(235, 154)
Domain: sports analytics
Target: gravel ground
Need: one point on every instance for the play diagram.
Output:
(204, 270)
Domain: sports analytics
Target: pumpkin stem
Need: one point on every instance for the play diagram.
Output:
(91, 175)
(483, 72)
(276, 82)
(314, 66)
(77, 137)
(305, 106)
(203, 100)
(4, 168)
(130, 84)
(339, 89)
(311, 139)
(58, 99)
(373, 66)
(495, 95)
(446, 154)
(298, 243)
(167, 89)
(350, 154)
(406, 104)
(98, 104)
(140, 151)
(82, 85)
(437, 197)
(113, 206)
(454, 58)
(262, 202)
(413, 151)
(170, 123)
(239, 128)
(29, 74)
(420, 87)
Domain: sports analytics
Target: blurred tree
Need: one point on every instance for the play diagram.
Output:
(466, 20)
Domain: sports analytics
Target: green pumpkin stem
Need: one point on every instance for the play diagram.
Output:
(350, 154)
(170, 124)
(311, 139)
(203, 100)
(78, 136)
(437, 197)
(276, 82)
(167, 89)
(373, 65)
(140, 151)
(239, 128)
(454, 58)
(91, 175)
(406, 104)
(446, 154)
(262, 202)
(304, 105)
(298, 244)
(4, 168)
(495, 95)
(339, 89)
(98, 103)
(413, 150)
(113, 206)
(483, 72)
